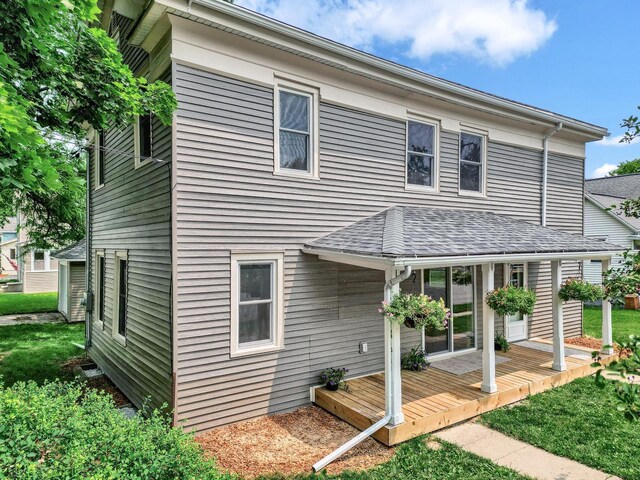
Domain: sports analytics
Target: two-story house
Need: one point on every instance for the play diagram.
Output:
(240, 251)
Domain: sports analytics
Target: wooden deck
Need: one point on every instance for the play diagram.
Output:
(435, 399)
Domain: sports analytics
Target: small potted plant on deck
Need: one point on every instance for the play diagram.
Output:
(333, 378)
(500, 343)
(416, 311)
(581, 290)
(511, 300)
(415, 359)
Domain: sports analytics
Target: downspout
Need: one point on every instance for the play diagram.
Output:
(387, 418)
(545, 171)
(87, 264)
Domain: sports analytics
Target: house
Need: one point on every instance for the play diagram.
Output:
(72, 281)
(35, 270)
(603, 222)
(238, 252)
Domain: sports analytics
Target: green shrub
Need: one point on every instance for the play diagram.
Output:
(63, 431)
(581, 290)
(510, 300)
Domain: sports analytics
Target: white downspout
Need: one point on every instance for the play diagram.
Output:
(545, 171)
(388, 286)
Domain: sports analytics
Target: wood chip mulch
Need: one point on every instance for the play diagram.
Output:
(290, 444)
(589, 342)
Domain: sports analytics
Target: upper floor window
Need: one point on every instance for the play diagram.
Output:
(100, 158)
(295, 137)
(142, 139)
(472, 163)
(12, 254)
(257, 319)
(421, 158)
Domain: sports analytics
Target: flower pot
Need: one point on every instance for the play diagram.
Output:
(409, 322)
(497, 347)
(631, 302)
(332, 386)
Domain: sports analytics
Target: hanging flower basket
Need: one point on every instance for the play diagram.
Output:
(578, 289)
(511, 300)
(416, 311)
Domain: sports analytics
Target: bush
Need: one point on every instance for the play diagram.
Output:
(62, 430)
(578, 289)
(511, 300)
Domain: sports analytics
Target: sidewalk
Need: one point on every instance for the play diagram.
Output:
(21, 318)
(522, 457)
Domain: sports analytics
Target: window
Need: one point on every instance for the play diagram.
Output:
(471, 163)
(120, 294)
(636, 244)
(257, 313)
(295, 136)
(12, 254)
(40, 261)
(143, 139)
(100, 158)
(421, 167)
(100, 286)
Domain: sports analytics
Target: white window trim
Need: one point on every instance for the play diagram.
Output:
(436, 156)
(138, 162)
(314, 120)
(483, 165)
(47, 262)
(96, 304)
(119, 255)
(237, 259)
(96, 160)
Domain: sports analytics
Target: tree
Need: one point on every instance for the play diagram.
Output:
(632, 124)
(58, 75)
(627, 167)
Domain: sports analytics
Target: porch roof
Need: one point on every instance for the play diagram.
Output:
(403, 235)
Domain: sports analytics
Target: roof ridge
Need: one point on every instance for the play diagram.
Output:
(611, 177)
(393, 232)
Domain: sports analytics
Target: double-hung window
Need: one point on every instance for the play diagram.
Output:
(295, 136)
(100, 286)
(143, 139)
(257, 314)
(120, 301)
(40, 261)
(472, 163)
(421, 158)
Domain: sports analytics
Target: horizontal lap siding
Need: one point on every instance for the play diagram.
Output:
(76, 291)
(229, 199)
(132, 213)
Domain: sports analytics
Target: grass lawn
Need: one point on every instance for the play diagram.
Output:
(11, 303)
(37, 351)
(577, 421)
(624, 322)
(414, 460)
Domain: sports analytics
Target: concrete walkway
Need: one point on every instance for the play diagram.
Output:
(522, 457)
(21, 318)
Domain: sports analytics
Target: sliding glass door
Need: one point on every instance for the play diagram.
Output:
(436, 285)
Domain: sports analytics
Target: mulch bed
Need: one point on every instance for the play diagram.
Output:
(101, 383)
(290, 444)
(589, 342)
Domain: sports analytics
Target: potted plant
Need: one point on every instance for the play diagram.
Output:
(415, 359)
(500, 343)
(416, 311)
(333, 378)
(511, 300)
(581, 290)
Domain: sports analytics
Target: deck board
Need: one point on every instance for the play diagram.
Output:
(436, 399)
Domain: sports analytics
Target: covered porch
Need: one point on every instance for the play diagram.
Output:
(396, 405)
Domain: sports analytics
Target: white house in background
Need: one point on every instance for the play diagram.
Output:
(71, 281)
(603, 222)
(8, 248)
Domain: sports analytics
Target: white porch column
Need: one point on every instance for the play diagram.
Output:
(488, 333)
(559, 363)
(607, 330)
(392, 366)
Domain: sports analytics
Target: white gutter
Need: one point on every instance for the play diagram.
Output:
(388, 414)
(545, 171)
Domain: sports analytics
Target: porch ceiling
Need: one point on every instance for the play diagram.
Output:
(420, 236)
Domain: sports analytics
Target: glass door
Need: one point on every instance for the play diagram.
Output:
(462, 304)
(436, 285)
(516, 325)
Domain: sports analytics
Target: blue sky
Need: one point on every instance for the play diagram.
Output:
(575, 57)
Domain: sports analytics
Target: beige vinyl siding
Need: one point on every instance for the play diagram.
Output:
(229, 199)
(598, 223)
(131, 213)
(75, 292)
(40, 282)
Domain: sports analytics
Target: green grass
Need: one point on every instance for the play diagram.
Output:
(624, 322)
(37, 351)
(577, 421)
(414, 460)
(12, 303)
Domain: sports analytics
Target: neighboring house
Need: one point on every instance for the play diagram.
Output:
(604, 220)
(35, 270)
(241, 250)
(72, 281)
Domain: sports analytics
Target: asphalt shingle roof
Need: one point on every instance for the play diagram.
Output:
(430, 232)
(618, 186)
(77, 251)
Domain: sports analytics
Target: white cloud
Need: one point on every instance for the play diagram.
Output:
(493, 31)
(615, 141)
(603, 171)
